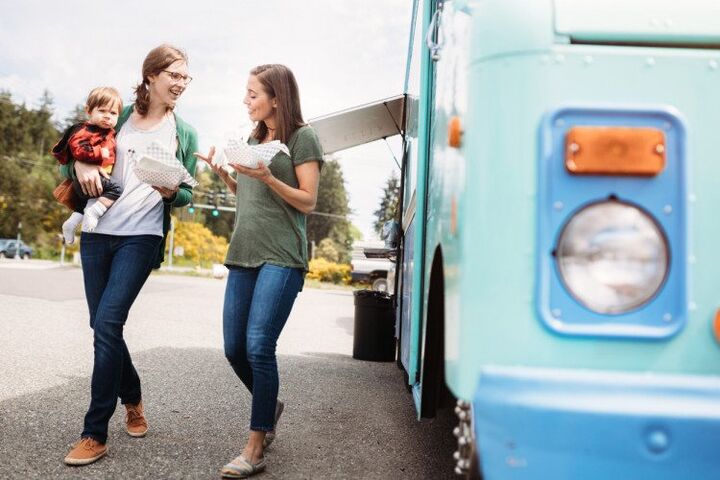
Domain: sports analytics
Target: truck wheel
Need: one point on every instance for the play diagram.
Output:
(380, 285)
(3, 255)
(26, 256)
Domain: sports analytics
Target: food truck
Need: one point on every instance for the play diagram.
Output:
(558, 268)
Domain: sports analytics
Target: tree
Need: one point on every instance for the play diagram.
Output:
(332, 199)
(212, 190)
(327, 250)
(29, 173)
(388, 204)
(355, 233)
(76, 115)
(42, 129)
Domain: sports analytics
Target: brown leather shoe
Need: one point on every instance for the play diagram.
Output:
(85, 452)
(135, 422)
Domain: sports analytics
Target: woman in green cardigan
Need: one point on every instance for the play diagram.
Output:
(118, 255)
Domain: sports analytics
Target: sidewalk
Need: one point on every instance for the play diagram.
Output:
(30, 264)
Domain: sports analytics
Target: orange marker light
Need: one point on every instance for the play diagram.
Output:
(615, 151)
(716, 325)
(455, 132)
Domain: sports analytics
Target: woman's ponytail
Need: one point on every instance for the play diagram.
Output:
(142, 98)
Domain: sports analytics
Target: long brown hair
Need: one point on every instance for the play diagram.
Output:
(155, 62)
(279, 83)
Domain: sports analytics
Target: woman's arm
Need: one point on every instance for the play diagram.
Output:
(89, 178)
(219, 171)
(183, 195)
(227, 179)
(302, 198)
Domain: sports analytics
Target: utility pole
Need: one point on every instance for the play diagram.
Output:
(62, 250)
(17, 245)
(172, 242)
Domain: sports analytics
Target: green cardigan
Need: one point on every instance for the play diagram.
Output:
(187, 145)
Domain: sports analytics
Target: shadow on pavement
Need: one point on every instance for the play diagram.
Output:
(344, 419)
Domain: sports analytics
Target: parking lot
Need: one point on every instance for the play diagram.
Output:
(344, 418)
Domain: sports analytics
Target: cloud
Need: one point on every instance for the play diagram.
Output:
(342, 53)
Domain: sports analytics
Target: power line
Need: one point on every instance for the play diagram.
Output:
(332, 215)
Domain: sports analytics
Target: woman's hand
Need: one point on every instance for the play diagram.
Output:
(89, 178)
(261, 173)
(221, 172)
(166, 193)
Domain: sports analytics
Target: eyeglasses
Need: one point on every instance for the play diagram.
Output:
(177, 77)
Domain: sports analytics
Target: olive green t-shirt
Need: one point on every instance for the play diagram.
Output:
(268, 229)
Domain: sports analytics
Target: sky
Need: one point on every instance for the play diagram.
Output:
(343, 53)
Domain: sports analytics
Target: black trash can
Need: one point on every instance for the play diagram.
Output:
(374, 332)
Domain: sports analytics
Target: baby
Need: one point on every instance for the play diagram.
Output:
(92, 142)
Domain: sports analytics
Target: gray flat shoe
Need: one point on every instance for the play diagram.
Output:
(270, 436)
(242, 468)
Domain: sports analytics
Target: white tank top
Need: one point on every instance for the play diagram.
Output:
(139, 210)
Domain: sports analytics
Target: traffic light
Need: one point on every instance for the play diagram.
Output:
(213, 199)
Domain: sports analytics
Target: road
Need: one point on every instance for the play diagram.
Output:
(344, 418)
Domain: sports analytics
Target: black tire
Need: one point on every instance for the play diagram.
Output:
(398, 359)
(436, 394)
(474, 472)
(26, 256)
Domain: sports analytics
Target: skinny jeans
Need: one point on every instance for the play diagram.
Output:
(114, 269)
(257, 305)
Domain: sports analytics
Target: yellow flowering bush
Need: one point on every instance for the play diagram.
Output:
(198, 243)
(324, 271)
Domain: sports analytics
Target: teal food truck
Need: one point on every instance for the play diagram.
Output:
(559, 261)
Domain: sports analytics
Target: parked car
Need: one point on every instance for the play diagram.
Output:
(369, 270)
(8, 248)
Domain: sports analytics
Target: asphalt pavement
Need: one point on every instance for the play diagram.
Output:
(344, 418)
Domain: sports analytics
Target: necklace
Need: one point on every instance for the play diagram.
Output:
(270, 136)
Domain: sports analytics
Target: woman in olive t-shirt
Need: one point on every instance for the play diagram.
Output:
(267, 256)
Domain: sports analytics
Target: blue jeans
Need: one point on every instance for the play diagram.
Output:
(257, 305)
(114, 270)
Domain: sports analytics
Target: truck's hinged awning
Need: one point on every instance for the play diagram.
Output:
(359, 125)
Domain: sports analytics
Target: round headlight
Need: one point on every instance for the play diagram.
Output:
(612, 257)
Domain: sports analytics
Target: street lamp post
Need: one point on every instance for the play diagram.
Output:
(17, 244)
(62, 250)
(172, 243)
